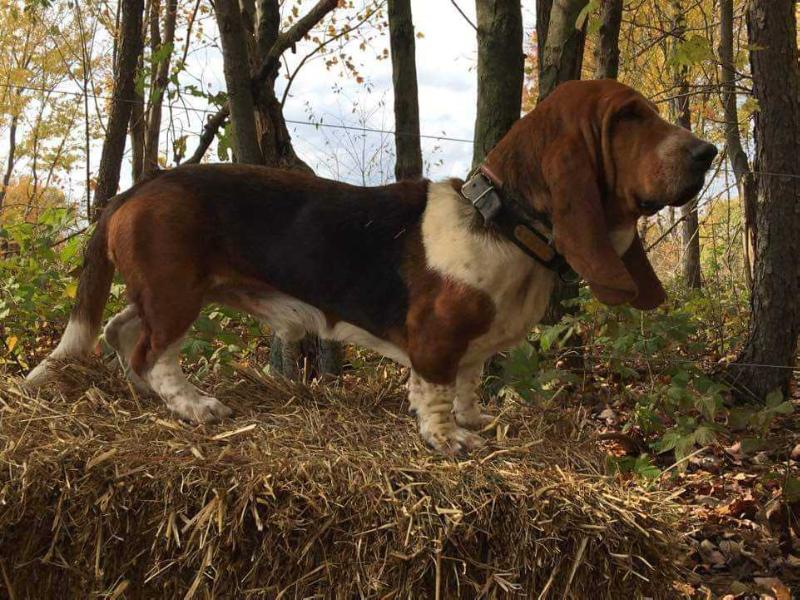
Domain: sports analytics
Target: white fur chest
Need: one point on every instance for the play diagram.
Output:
(518, 286)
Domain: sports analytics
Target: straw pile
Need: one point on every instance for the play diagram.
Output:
(312, 490)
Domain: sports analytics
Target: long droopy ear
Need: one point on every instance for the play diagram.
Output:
(651, 292)
(579, 223)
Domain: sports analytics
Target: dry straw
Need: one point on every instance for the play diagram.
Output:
(320, 490)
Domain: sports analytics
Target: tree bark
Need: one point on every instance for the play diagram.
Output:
(273, 135)
(237, 79)
(775, 317)
(690, 234)
(408, 163)
(562, 55)
(137, 134)
(607, 49)
(543, 10)
(124, 95)
(266, 70)
(252, 44)
(12, 148)
(500, 73)
(159, 85)
(745, 182)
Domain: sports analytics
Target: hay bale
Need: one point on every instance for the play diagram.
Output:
(311, 490)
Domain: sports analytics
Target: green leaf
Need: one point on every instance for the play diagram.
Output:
(644, 467)
(739, 418)
(791, 489)
(680, 378)
(667, 442)
(704, 435)
(750, 445)
(594, 25)
(692, 51)
(141, 81)
(707, 405)
(784, 408)
(162, 53)
(684, 447)
(774, 398)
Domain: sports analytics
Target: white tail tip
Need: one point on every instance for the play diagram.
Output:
(78, 341)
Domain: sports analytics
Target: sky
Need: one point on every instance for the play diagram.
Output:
(446, 56)
(447, 84)
(446, 53)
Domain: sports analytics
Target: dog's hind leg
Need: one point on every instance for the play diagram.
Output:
(168, 306)
(121, 333)
(167, 379)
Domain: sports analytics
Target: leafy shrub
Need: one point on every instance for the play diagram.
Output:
(39, 267)
(656, 362)
(37, 284)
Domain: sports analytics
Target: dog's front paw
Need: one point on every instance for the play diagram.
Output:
(473, 418)
(200, 409)
(450, 439)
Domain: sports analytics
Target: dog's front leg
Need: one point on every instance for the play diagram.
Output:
(433, 404)
(467, 407)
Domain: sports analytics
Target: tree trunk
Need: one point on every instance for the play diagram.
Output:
(237, 79)
(251, 36)
(775, 318)
(690, 234)
(606, 53)
(273, 135)
(563, 50)
(500, 73)
(745, 182)
(160, 81)
(124, 96)
(137, 134)
(408, 163)
(288, 359)
(12, 148)
(543, 10)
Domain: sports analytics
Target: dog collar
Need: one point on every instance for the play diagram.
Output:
(531, 231)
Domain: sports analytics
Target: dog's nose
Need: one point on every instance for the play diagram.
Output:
(702, 155)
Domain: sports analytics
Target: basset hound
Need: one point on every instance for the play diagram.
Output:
(436, 276)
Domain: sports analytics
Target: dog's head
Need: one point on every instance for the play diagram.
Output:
(596, 156)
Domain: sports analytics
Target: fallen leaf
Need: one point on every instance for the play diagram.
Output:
(608, 415)
(730, 548)
(710, 554)
(796, 452)
(740, 508)
(735, 450)
(775, 585)
(778, 518)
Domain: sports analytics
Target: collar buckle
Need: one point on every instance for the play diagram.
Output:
(529, 231)
(483, 196)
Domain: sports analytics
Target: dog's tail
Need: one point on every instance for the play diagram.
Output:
(80, 336)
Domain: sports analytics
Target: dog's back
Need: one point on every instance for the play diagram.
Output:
(325, 242)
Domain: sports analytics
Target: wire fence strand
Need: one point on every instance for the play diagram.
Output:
(322, 124)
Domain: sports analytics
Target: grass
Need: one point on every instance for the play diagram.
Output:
(312, 489)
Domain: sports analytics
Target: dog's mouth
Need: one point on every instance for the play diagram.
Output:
(649, 208)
